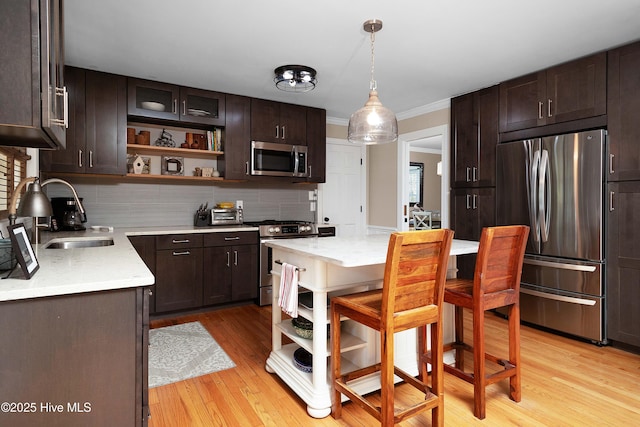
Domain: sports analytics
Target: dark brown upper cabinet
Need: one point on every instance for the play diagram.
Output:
(33, 106)
(622, 112)
(162, 101)
(237, 149)
(317, 144)
(96, 138)
(474, 121)
(571, 91)
(277, 122)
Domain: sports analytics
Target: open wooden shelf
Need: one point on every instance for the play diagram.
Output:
(162, 151)
(174, 177)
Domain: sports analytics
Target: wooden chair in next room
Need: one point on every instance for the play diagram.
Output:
(496, 283)
(411, 297)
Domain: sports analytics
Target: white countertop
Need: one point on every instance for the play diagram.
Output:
(70, 271)
(354, 251)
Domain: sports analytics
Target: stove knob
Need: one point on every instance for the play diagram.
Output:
(277, 229)
(271, 230)
(306, 228)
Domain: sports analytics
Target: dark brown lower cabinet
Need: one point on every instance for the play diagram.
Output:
(623, 263)
(75, 360)
(178, 279)
(201, 269)
(230, 271)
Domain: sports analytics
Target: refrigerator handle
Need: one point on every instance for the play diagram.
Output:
(544, 187)
(533, 199)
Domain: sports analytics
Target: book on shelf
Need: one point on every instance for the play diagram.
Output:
(214, 140)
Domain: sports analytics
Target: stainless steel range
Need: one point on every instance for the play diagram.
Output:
(271, 230)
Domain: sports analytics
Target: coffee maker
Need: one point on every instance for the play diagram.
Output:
(65, 214)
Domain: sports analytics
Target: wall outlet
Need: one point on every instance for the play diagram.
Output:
(239, 204)
(312, 208)
(312, 195)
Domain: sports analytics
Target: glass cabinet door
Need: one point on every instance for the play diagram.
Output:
(202, 106)
(153, 99)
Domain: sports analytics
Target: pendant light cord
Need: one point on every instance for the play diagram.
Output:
(373, 85)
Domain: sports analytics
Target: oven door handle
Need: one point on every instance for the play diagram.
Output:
(572, 300)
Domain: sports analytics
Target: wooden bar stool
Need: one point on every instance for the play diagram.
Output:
(411, 297)
(496, 283)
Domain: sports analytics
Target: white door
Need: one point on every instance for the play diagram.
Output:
(341, 198)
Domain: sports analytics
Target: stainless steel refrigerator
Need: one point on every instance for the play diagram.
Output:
(555, 185)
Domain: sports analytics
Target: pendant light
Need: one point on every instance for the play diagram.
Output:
(373, 123)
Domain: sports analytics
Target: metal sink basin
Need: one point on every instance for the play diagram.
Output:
(79, 243)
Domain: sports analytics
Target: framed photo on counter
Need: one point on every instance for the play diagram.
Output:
(23, 250)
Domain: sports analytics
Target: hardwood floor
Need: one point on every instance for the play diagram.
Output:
(565, 383)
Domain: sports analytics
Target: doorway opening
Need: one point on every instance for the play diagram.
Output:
(429, 142)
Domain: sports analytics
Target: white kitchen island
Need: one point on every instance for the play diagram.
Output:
(331, 266)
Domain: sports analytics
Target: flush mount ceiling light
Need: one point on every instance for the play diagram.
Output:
(373, 123)
(295, 78)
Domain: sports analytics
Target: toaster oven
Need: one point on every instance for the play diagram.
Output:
(232, 216)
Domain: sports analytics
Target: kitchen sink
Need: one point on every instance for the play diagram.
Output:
(79, 243)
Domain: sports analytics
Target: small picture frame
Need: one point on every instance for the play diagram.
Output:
(23, 250)
(172, 165)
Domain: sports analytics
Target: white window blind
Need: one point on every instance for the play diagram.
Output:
(13, 168)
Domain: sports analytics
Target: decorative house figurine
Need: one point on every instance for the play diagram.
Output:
(138, 165)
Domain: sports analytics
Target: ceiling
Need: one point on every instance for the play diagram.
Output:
(426, 52)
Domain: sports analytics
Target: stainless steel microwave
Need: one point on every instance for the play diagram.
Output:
(272, 159)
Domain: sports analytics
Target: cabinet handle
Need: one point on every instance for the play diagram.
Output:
(474, 174)
(184, 108)
(90, 158)
(468, 170)
(181, 253)
(540, 110)
(232, 238)
(175, 106)
(235, 258)
(174, 241)
(310, 174)
(283, 132)
(246, 168)
(549, 108)
(475, 201)
(64, 122)
(611, 163)
(468, 201)
(228, 259)
(277, 131)
(611, 208)
(80, 158)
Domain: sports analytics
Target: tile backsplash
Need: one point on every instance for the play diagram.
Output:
(134, 204)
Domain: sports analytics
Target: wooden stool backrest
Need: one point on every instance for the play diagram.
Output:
(415, 271)
(499, 264)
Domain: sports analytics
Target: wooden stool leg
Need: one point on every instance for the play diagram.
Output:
(515, 392)
(422, 350)
(459, 335)
(479, 378)
(386, 378)
(336, 405)
(437, 373)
